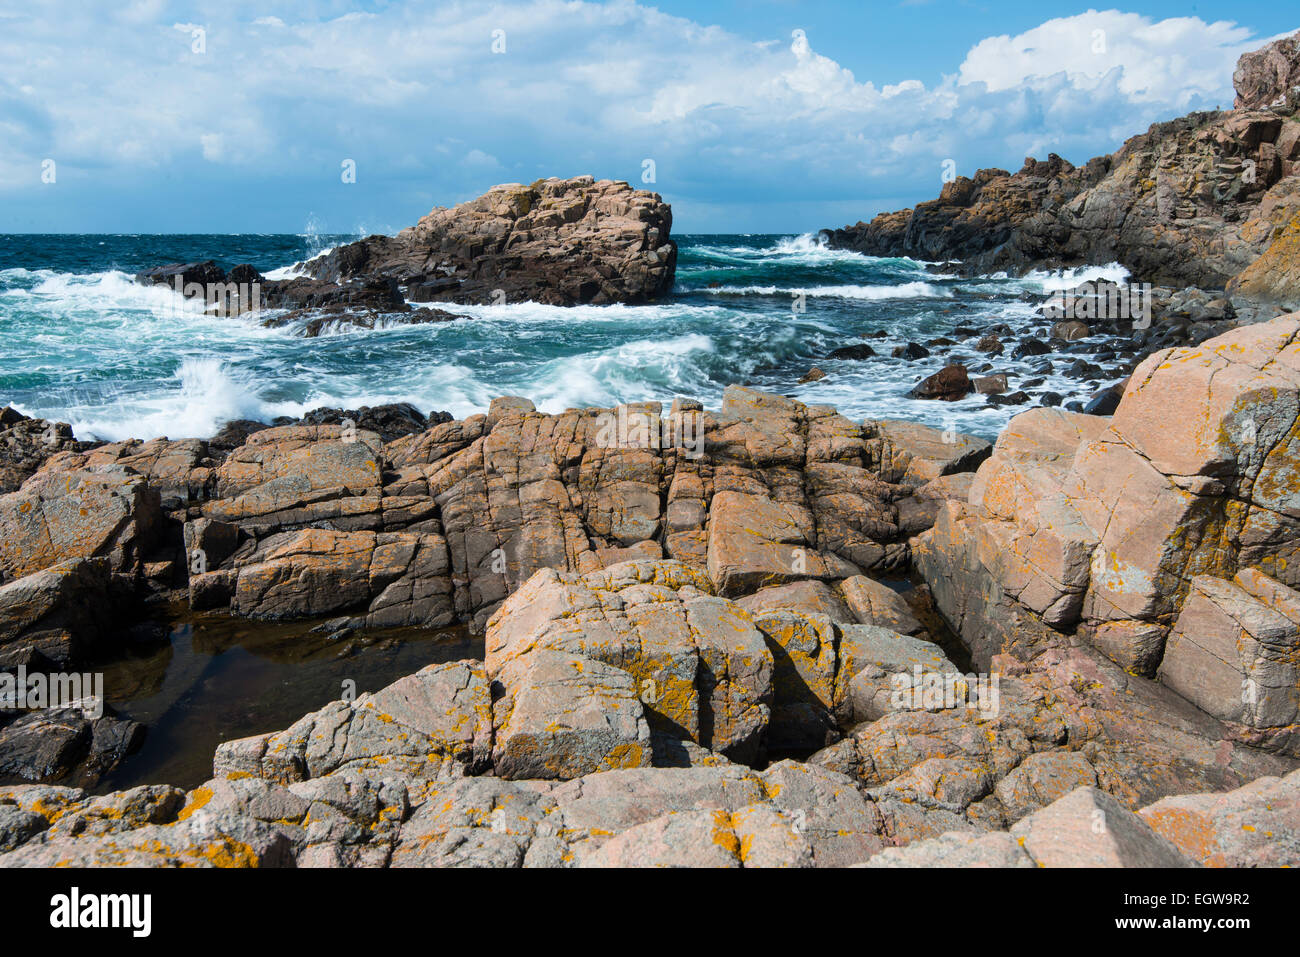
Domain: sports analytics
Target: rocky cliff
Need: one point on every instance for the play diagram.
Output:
(1209, 200)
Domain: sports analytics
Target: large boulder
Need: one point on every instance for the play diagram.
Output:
(294, 476)
(558, 241)
(1235, 652)
(1253, 826)
(66, 744)
(106, 511)
(1085, 828)
(434, 725)
(563, 716)
(702, 670)
(789, 815)
(26, 443)
(999, 745)
(914, 454)
(182, 471)
(386, 579)
(61, 614)
(1112, 529)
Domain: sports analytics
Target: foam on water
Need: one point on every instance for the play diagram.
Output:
(205, 394)
(116, 359)
(907, 290)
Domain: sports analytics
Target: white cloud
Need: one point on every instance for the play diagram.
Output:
(583, 87)
(1166, 61)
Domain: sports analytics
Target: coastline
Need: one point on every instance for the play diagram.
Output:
(756, 631)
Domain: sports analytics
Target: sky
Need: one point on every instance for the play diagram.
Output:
(760, 116)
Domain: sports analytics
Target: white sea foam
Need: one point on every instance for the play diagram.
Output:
(203, 395)
(1055, 280)
(906, 290)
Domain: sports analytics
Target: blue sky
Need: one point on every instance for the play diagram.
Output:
(759, 116)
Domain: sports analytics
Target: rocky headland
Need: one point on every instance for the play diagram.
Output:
(1209, 200)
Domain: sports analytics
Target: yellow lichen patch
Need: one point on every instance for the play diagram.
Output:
(724, 834)
(198, 798)
(1193, 833)
(229, 853)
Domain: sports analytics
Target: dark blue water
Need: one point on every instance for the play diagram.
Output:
(82, 343)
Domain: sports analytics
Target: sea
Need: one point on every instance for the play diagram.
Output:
(81, 342)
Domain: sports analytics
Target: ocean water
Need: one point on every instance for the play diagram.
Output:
(80, 342)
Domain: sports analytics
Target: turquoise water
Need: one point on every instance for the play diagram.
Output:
(81, 342)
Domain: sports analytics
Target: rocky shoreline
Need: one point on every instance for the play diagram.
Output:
(686, 634)
(697, 650)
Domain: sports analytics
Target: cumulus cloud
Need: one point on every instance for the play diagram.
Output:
(417, 96)
(1173, 61)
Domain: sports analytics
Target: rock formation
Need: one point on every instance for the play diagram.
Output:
(1165, 541)
(558, 241)
(1208, 200)
(687, 659)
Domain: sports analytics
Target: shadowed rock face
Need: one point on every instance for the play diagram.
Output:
(558, 241)
(1203, 200)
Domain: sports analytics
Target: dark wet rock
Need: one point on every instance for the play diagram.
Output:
(949, 384)
(1018, 397)
(377, 294)
(234, 434)
(912, 351)
(201, 273)
(63, 745)
(244, 273)
(1030, 347)
(812, 375)
(389, 422)
(62, 614)
(991, 345)
(1106, 401)
(862, 351)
